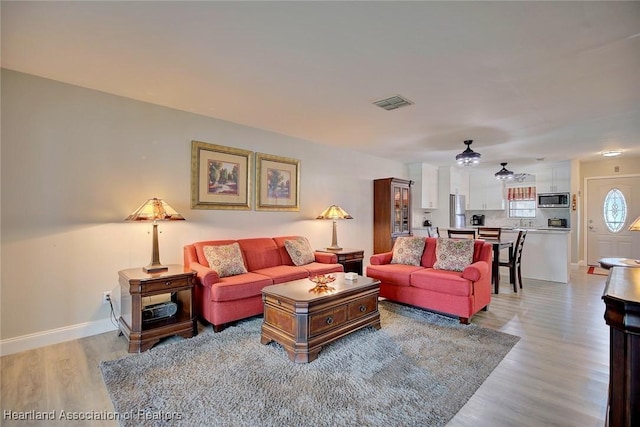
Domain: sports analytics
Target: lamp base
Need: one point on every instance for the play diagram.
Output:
(334, 248)
(158, 268)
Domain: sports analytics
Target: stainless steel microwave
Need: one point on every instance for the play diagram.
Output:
(553, 200)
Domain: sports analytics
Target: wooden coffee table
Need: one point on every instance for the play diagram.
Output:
(303, 321)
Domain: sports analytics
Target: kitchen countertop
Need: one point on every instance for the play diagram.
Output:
(529, 229)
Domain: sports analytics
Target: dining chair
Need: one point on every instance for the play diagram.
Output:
(433, 232)
(489, 232)
(462, 234)
(515, 261)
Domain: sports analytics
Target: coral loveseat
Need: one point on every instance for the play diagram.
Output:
(457, 293)
(220, 300)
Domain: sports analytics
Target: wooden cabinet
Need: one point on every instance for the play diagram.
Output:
(486, 192)
(135, 285)
(622, 314)
(351, 259)
(391, 212)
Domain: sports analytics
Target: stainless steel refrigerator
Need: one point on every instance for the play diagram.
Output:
(457, 211)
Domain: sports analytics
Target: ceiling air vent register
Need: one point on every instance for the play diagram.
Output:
(393, 103)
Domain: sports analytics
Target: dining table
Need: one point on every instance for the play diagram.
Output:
(498, 245)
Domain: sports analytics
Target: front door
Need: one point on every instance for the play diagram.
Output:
(612, 204)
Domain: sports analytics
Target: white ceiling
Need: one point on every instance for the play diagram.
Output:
(524, 80)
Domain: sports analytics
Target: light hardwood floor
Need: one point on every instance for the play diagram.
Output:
(556, 375)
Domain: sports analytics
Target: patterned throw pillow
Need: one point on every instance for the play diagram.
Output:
(300, 251)
(226, 260)
(453, 254)
(408, 250)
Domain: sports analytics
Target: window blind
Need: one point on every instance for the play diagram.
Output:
(521, 193)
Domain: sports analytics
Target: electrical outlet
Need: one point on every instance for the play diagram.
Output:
(106, 297)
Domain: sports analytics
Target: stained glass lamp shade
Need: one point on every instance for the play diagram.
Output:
(155, 210)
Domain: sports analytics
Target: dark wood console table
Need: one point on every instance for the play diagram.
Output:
(622, 299)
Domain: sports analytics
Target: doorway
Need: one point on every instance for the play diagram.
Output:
(612, 204)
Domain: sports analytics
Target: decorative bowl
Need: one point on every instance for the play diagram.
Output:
(322, 283)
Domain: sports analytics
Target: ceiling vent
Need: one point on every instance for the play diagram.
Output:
(393, 102)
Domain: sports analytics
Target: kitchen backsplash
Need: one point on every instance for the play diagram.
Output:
(501, 218)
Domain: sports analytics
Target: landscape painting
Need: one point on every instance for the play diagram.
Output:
(223, 177)
(277, 183)
(220, 177)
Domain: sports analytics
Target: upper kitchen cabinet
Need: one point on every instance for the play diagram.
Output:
(425, 190)
(391, 212)
(459, 182)
(486, 193)
(553, 179)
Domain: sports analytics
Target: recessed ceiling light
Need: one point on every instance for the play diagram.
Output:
(611, 153)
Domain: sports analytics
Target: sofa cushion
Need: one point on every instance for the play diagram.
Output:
(393, 274)
(199, 248)
(239, 287)
(442, 281)
(226, 260)
(261, 252)
(408, 250)
(284, 273)
(454, 254)
(300, 251)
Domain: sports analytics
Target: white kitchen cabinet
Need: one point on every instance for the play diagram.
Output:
(429, 196)
(553, 179)
(486, 193)
(425, 189)
(459, 182)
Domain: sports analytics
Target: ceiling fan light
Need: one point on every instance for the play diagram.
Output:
(468, 157)
(504, 174)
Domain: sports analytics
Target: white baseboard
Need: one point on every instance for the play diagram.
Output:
(55, 336)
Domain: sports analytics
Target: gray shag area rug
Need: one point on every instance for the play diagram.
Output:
(418, 370)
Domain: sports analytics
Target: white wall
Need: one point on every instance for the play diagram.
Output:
(76, 162)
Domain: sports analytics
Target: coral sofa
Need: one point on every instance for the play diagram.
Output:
(457, 293)
(220, 300)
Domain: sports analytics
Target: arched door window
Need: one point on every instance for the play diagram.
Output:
(614, 210)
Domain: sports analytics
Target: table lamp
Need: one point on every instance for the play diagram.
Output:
(635, 226)
(155, 210)
(334, 212)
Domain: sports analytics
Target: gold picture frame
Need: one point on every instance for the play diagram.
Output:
(277, 183)
(220, 177)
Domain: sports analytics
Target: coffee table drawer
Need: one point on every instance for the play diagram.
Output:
(363, 306)
(279, 302)
(326, 320)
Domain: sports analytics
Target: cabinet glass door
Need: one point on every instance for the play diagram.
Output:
(405, 210)
(397, 209)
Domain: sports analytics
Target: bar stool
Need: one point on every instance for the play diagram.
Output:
(515, 261)
(462, 234)
(489, 232)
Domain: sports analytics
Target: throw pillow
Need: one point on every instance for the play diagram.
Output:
(300, 251)
(408, 250)
(226, 260)
(453, 254)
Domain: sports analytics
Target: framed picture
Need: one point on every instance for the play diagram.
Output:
(277, 183)
(220, 177)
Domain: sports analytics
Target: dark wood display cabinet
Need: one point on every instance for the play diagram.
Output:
(136, 285)
(622, 299)
(391, 212)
